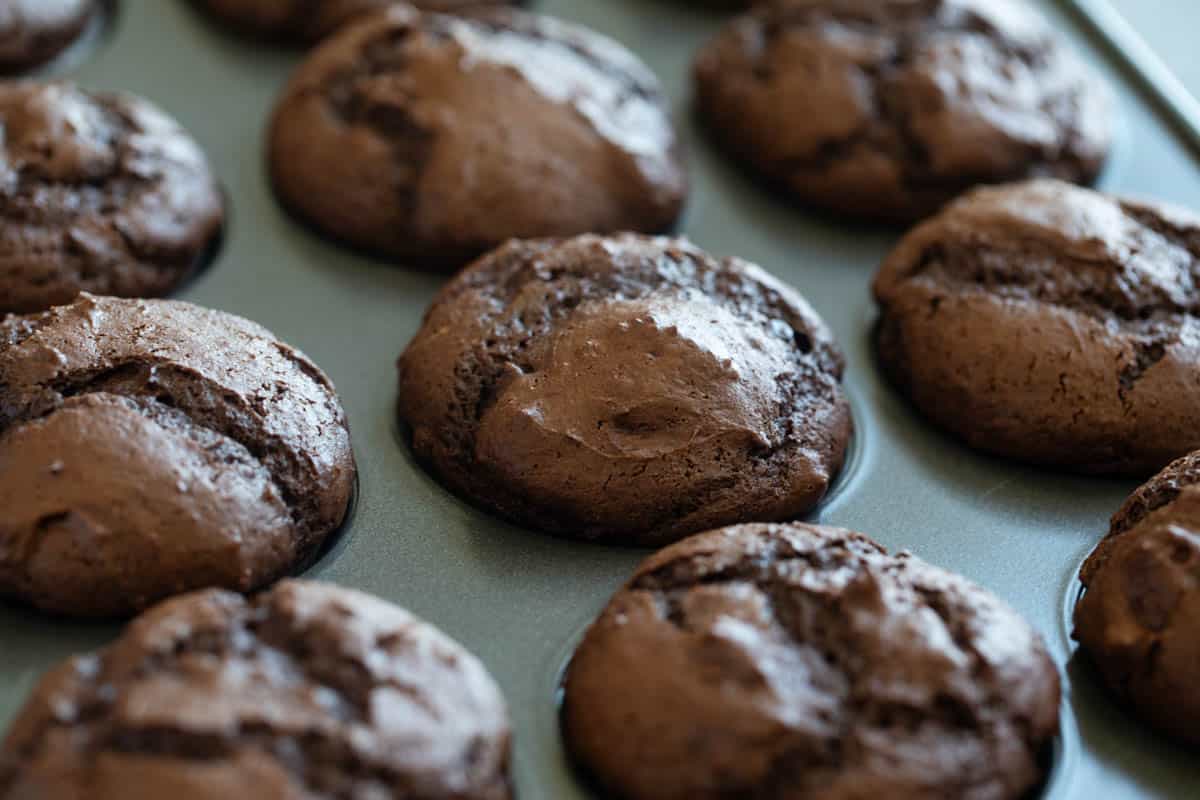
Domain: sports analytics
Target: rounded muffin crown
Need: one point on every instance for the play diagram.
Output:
(890, 109)
(625, 388)
(306, 690)
(792, 660)
(103, 192)
(1049, 323)
(150, 447)
(1136, 620)
(434, 138)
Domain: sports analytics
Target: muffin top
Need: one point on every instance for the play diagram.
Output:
(101, 192)
(1136, 619)
(305, 691)
(889, 108)
(1051, 324)
(431, 138)
(625, 388)
(150, 447)
(766, 661)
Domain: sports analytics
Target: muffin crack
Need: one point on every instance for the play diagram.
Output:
(1146, 355)
(322, 762)
(374, 91)
(808, 661)
(315, 724)
(156, 385)
(1025, 270)
(916, 23)
(358, 97)
(348, 674)
(1162, 491)
(99, 192)
(762, 572)
(916, 102)
(104, 179)
(565, 291)
(795, 606)
(1158, 493)
(889, 130)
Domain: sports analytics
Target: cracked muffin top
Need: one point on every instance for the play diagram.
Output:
(625, 389)
(34, 31)
(887, 109)
(99, 192)
(152, 447)
(307, 691)
(307, 21)
(431, 138)
(770, 661)
(1137, 619)
(1050, 324)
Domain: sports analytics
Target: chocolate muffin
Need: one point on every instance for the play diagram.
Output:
(1137, 620)
(306, 691)
(1050, 324)
(34, 31)
(99, 192)
(431, 138)
(307, 21)
(769, 661)
(625, 389)
(152, 447)
(887, 109)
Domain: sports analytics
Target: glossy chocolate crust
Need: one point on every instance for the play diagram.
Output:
(99, 192)
(1050, 324)
(794, 661)
(625, 389)
(308, 21)
(152, 447)
(306, 692)
(34, 31)
(887, 109)
(431, 138)
(1137, 621)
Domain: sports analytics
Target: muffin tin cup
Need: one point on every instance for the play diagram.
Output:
(521, 600)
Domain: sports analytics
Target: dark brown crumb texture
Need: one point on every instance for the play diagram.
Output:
(99, 192)
(808, 663)
(500, 322)
(1136, 619)
(459, 129)
(1050, 324)
(306, 690)
(889, 109)
(261, 440)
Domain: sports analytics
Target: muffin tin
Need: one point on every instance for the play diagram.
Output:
(521, 600)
